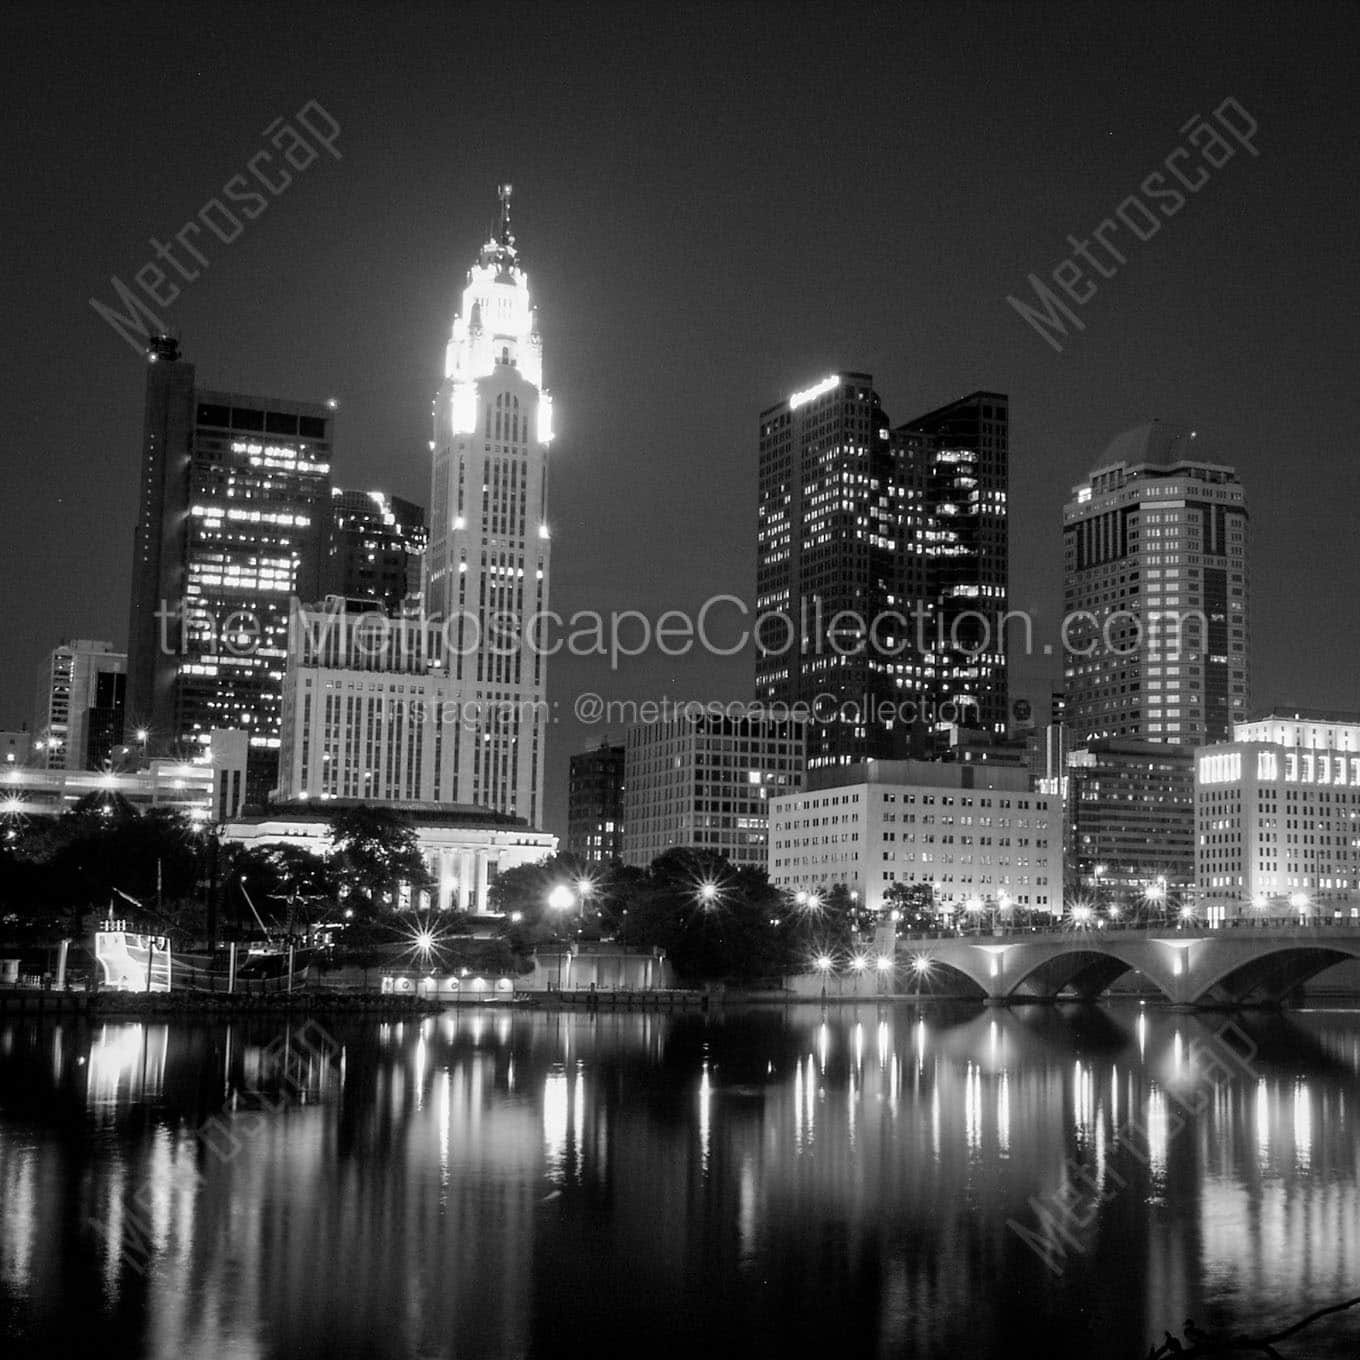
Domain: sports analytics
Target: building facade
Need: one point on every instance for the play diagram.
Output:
(975, 833)
(375, 549)
(234, 503)
(881, 574)
(464, 849)
(78, 711)
(956, 461)
(1130, 823)
(369, 712)
(706, 782)
(16, 748)
(1156, 594)
(488, 560)
(595, 795)
(1277, 818)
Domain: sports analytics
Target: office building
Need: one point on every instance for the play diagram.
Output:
(1156, 594)
(957, 461)
(487, 565)
(881, 569)
(375, 549)
(234, 503)
(706, 782)
(79, 707)
(1130, 823)
(975, 834)
(595, 804)
(369, 711)
(1277, 818)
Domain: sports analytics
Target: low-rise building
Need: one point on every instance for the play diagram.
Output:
(1129, 822)
(209, 788)
(707, 782)
(976, 834)
(464, 848)
(1277, 818)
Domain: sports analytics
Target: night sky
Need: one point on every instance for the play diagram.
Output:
(716, 206)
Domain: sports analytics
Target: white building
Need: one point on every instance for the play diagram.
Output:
(976, 833)
(706, 782)
(369, 711)
(486, 567)
(464, 848)
(1277, 818)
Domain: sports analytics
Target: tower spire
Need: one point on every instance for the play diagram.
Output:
(504, 235)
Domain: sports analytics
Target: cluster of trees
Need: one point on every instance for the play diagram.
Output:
(713, 919)
(104, 854)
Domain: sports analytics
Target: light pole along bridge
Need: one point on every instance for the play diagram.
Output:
(1223, 966)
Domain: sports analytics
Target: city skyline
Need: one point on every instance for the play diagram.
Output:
(1181, 331)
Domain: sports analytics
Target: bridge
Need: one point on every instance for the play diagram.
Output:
(1230, 965)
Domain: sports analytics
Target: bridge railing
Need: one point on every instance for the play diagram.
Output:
(1289, 926)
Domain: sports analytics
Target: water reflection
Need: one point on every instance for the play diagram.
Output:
(542, 1184)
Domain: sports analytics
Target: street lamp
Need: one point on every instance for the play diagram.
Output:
(560, 899)
(884, 964)
(823, 965)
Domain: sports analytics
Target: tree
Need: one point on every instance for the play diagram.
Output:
(376, 855)
(915, 901)
(283, 881)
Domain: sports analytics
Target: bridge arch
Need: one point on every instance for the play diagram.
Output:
(1087, 970)
(1270, 976)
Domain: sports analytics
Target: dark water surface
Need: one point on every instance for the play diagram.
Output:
(765, 1183)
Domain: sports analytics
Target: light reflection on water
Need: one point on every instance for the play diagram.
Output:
(536, 1184)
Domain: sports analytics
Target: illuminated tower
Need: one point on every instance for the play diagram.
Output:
(487, 563)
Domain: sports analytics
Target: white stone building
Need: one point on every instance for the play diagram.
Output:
(975, 833)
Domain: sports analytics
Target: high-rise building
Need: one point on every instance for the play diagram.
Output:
(705, 782)
(975, 834)
(1156, 594)
(881, 573)
(595, 804)
(486, 570)
(1130, 822)
(957, 464)
(234, 504)
(830, 559)
(78, 712)
(369, 711)
(375, 550)
(1276, 811)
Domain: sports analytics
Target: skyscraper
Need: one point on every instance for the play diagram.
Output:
(234, 501)
(830, 560)
(1156, 593)
(487, 564)
(375, 550)
(957, 469)
(881, 569)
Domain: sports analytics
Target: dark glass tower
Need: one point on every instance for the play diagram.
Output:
(376, 544)
(881, 570)
(235, 502)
